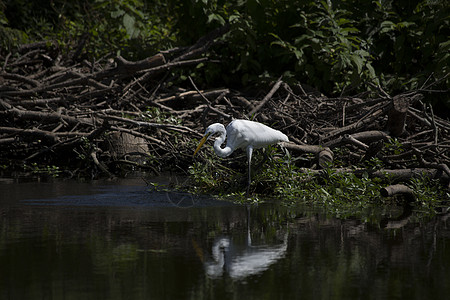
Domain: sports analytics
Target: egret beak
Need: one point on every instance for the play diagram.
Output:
(202, 141)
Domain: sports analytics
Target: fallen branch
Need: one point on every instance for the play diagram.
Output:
(368, 118)
(152, 71)
(275, 87)
(179, 128)
(391, 174)
(398, 189)
(32, 134)
(45, 117)
(303, 148)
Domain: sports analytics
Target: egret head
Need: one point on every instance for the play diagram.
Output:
(211, 130)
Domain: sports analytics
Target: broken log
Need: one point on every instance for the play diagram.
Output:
(398, 189)
(124, 145)
(302, 148)
(408, 196)
(397, 116)
(398, 110)
(324, 155)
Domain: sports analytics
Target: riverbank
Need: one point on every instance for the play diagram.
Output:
(106, 119)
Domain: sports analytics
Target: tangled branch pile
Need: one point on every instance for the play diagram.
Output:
(97, 117)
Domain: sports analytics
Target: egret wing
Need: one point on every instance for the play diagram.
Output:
(237, 135)
(241, 133)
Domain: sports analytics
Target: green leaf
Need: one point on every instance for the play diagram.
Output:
(350, 29)
(129, 24)
(215, 17)
(234, 18)
(445, 45)
(387, 26)
(137, 12)
(405, 24)
(371, 70)
(117, 13)
(357, 61)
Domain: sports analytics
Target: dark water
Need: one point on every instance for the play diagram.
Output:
(118, 240)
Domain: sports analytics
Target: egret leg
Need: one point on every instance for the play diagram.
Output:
(249, 158)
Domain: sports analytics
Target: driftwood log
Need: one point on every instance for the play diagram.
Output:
(100, 116)
(398, 189)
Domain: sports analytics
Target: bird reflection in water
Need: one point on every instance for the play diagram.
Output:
(240, 261)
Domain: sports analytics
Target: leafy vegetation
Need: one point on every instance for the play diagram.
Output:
(283, 178)
(94, 28)
(336, 47)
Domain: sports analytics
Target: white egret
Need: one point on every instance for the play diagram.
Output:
(242, 134)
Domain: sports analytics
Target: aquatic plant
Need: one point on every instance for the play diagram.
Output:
(281, 179)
